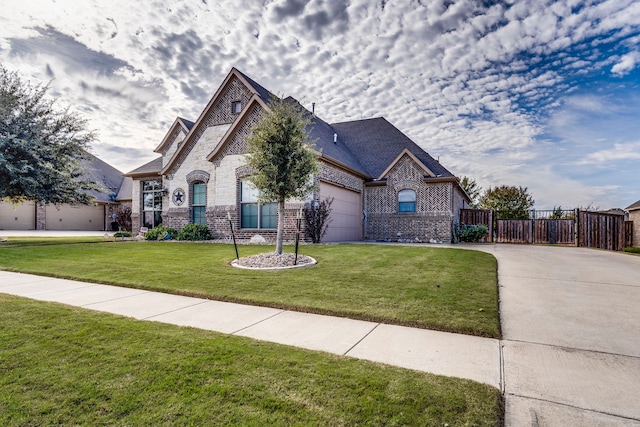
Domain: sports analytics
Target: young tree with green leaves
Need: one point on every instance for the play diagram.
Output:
(40, 147)
(281, 157)
(508, 201)
(472, 189)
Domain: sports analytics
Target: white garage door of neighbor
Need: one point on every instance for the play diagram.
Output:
(67, 217)
(346, 213)
(18, 217)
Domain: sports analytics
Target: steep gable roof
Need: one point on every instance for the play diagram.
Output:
(179, 124)
(377, 144)
(253, 87)
(263, 93)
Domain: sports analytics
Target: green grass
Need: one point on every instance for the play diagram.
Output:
(632, 250)
(436, 288)
(64, 366)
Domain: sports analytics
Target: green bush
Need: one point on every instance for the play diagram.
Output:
(122, 234)
(632, 250)
(194, 232)
(161, 233)
(472, 233)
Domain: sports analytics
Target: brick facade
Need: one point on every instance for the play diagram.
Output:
(437, 200)
(433, 218)
(634, 216)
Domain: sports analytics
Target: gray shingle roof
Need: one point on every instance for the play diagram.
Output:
(321, 134)
(108, 178)
(188, 123)
(633, 207)
(151, 168)
(376, 143)
(262, 92)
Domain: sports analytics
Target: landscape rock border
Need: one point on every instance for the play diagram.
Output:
(272, 261)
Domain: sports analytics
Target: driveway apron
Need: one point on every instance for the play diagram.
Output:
(571, 335)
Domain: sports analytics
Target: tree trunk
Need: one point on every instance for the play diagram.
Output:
(280, 235)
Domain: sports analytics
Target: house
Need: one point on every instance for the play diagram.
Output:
(92, 217)
(634, 217)
(383, 184)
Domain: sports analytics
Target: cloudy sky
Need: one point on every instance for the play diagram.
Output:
(542, 94)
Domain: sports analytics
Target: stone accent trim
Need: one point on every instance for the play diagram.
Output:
(244, 171)
(198, 176)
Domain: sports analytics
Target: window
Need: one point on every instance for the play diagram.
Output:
(236, 107)
(199, 203)
(406, 201)
(151, 203)
(254, 214)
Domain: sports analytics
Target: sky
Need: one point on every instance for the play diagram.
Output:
(539, 94)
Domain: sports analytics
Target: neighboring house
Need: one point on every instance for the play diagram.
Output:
(634, 216)
(92, 217)
(384, 185)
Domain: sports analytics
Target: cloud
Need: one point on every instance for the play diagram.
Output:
(622, 151)
(509, 92)
(626, 64)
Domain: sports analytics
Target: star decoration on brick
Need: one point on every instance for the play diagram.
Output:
(178, 196)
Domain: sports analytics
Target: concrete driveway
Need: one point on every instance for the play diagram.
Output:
(571, 335)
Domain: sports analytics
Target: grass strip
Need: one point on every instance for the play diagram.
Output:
(67, 366)
(444, 289)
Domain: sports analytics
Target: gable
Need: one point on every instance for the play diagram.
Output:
(177, 132)
(402, 162)
(217, 113)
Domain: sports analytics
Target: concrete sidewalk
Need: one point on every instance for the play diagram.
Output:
(440, 353)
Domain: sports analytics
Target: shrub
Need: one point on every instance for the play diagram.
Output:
(472, 233)
(161, 233)
(123, 218)
(122, 234)
(632, 249)
(316, 219)
(194, 232)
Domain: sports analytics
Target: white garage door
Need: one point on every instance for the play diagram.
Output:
(346, 213)
(67, 217)
(20, 217)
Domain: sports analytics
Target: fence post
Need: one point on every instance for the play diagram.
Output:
(577, 219)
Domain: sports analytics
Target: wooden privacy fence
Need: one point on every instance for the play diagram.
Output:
(478, 217)
(581, 228)
(628, 233)
(601, 230)
(514, 231)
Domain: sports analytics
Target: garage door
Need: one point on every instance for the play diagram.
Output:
(20, 217)
(346, 213)
(67, 217)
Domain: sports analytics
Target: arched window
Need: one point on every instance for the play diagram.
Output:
(406, 201)
(199, 203)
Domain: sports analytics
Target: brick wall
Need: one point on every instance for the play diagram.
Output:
(340, 177)
(635, 217)
(434, 203)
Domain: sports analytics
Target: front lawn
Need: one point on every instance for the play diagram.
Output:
(436, 288)
(68, 366)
